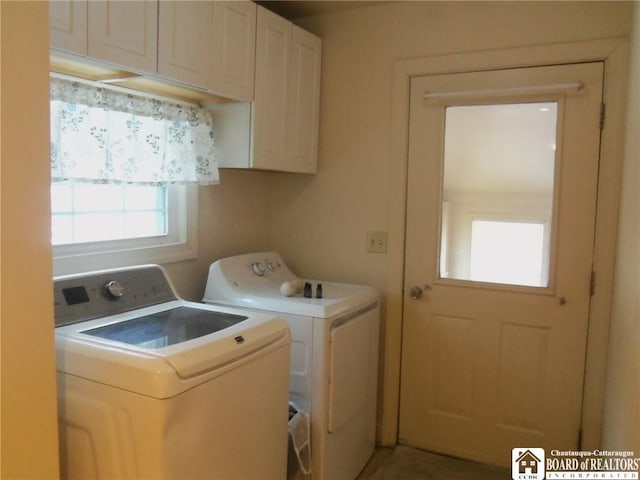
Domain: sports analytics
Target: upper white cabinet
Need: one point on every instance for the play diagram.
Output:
(124, 33)
(184, 41)
(304, 102)
(209, 45)
(273, 70)
(286, 107)
(234, 48)
(68, 25)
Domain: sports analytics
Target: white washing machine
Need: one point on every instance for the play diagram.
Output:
(334, 352)
(152, 386)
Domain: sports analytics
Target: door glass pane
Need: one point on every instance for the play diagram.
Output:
(499, 165)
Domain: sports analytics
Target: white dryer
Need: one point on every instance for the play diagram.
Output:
(152, 386)
(334, 352)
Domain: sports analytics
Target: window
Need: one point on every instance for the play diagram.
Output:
(125, 168)
(90, 213)
(105, 226)
(499, 169)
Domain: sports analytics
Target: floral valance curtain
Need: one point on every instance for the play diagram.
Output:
(103, 135)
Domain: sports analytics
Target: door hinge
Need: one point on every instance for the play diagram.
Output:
(602, 115)
(592, 283)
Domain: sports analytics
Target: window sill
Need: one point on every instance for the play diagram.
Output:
(70, 264)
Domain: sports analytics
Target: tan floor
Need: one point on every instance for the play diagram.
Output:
(404, 463)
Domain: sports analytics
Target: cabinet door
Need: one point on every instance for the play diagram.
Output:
(273, 54)
(68, 25)
(234, 49)
(184, 41)
(304, 102)
(124, 33)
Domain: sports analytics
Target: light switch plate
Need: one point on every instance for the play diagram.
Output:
(377, 242)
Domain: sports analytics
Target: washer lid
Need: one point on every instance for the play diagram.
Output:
(168, 327)
(117, 351)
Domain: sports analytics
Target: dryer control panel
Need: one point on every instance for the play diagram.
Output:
(109, 292)
(252, 271)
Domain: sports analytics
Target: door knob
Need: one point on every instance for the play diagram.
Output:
(415, 292)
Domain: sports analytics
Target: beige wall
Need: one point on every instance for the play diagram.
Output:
(233, 218)
(622, 408)
(27, 381)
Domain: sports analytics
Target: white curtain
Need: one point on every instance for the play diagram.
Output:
(102, 135)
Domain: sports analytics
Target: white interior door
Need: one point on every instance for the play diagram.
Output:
(501, 209)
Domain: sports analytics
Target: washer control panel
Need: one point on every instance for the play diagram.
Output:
(100, 294)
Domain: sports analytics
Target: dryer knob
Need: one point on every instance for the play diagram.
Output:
(113, 290)
(257, 269)
(272, 266)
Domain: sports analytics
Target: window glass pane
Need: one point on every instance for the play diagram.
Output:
(144, 197)
(499, 163)
(144, 224)
(507, 252)
(93, 227)
(97, 198)
(61, 229)
(61, 198)
(90, 213)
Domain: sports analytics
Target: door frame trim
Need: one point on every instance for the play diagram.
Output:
(614, 52)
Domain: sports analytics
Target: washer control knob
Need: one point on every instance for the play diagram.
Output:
(113, 290)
